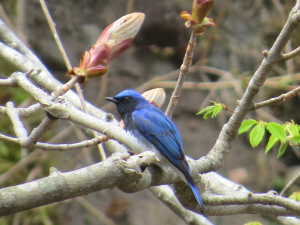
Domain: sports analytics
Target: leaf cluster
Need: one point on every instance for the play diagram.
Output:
(287, 134)
(212, 110)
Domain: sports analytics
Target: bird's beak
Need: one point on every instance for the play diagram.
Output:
(111, 99)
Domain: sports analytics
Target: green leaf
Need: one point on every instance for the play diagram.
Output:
(4, 151)
(253, 223)
(257, 133)
(277, 131)
(212, 110)
(282, 149)
(216, 111)
(295, 196)
(205, 109)
(246, 125)
(295, 139)
(292, 129)
(271, 143)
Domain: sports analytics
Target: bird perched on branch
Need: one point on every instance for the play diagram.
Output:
(156, 131)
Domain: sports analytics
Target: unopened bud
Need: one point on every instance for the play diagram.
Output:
(114, 40)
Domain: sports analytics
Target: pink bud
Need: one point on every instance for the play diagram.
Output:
(114, 40)
(201, 8)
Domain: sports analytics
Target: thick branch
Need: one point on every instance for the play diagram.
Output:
(59, 186)
(120, 170)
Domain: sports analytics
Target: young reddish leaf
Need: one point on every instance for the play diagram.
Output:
(246, 125)
(201, 8)
(272, 141)
(282, 149)
(257, 133)
(295, 196)
(276, 130)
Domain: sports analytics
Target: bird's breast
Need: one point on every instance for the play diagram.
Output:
(141, 144)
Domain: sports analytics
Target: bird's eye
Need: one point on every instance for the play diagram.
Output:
(126, 99)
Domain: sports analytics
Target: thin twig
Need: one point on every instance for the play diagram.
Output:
(13, 114)
(289, 184)
(22, 111)
(55, 34)
(165, 194)
(288, 47)
(86, 151)
(184, 69)
(38, 132)
(21, 164)
(62, 51)
(282, 97)
(65, 147)
(291, 54)
(29, 110)
(129, 6)
(5, 18)
(96, 212)
(21, 20)
(69, 66)
(59, 147)
(102, 91)
(65, 87)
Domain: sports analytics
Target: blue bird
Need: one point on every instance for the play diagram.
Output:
(155, 130)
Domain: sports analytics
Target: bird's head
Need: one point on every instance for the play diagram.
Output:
(127, 101)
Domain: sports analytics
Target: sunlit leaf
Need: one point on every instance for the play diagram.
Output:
(212, 110)
(256, 135)
(272, 141)
(277, 131)
(295, 139)
(253, 223)
(295, 196)
(282, 149)
(216, 111)
(208, 113)
(204, 110)
(292, 129)
(246, 125)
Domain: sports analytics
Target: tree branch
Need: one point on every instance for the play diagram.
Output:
(280, 98)
(184, 69)
(215, 158)
(124, 171)
(40, 75)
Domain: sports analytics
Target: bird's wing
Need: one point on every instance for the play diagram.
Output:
(161, 132)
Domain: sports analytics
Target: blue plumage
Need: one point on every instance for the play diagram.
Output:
(149, 124)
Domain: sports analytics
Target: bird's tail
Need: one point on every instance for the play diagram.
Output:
(196, 193)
